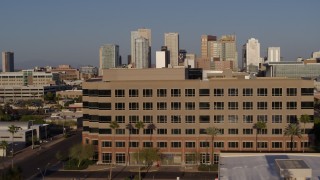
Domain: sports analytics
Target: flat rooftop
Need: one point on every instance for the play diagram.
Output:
(292, 164)
(239, 166)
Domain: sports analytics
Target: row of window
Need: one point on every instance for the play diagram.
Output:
(263, 105)
(201, 92)
(188, 131)
(192, 118)
(192, 144)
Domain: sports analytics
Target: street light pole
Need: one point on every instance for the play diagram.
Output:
(32, 146)
(45, 170)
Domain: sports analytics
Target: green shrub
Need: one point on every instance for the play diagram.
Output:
(72, 164)
(205, 167)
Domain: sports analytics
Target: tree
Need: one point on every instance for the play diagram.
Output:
(304, 119)
(81, 152)
(151, 127)
(148, 156)
(129, 127)
(292, 130)
(49, 96)
(13, 129)
(14, 173)
(139, 125)
(4, 145)
(212, 131)
(258, 126)
(113, 125)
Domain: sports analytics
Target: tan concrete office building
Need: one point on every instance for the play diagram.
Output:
(181, 109)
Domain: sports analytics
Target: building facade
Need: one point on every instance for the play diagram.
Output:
(144, 33)
(28, 77)
(228, 50)
(142, 53)
(251, 55)
(274, 54)
(109, 57)
(181, 109)
(207, 46)
(292, 69)
(171, 40)
(7, 62)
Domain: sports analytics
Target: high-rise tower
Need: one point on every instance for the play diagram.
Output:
(7, 62)
(228, 50)
(145, 33)
(109, 57)
(171, 40)
(251, 55)
(142, 53)
(207, 46)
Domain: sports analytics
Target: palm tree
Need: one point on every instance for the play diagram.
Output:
(292, 130)
(212, 131)
(129, 127)
(258, 126)
(139, 125)
(304, 119)
(4, 146)
(151, 127)
(13, 129)
(113, 125)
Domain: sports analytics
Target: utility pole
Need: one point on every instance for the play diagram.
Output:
(32, 146)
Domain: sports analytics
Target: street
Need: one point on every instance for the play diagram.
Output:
(30, 160)
(124, 173)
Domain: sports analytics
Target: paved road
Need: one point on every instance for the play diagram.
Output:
(30, 160)
(120, 175)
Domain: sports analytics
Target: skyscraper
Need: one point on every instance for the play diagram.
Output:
(228, 50)
(7, 62)
(109, 57)
(171, 40)
(251, 55)
(142, 53)
(274, 54)
(145, 33)
(207, 46)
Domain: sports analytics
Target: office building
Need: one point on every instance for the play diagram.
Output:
(144, 33)
(171, 40)
(208, 46)
(87, 72)
(162, 58)
(190, 60)
(181, 57)
(292, 69)
(274, 54)
(66, 72)
(142, 53)
(28, 77)
(316, 55)
(181, 106)
(228, 50)
(7, 62)
(109, 57)
(251, 55)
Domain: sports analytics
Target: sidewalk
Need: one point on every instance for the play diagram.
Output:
(28, 151)
(135, 168)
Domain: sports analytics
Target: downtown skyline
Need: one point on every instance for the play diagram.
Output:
(51, 33)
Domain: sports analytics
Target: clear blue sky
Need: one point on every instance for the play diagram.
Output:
(71, 31)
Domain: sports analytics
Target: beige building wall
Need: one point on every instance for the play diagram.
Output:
(214, 99)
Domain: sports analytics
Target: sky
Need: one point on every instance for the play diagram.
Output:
(71, 32)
